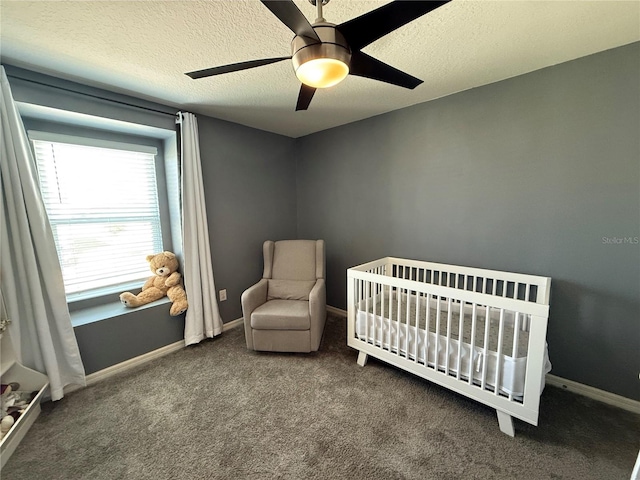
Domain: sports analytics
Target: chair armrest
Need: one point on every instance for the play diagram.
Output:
(251, 299)
(317, 311)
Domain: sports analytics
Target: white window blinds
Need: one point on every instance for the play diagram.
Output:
(102, 202)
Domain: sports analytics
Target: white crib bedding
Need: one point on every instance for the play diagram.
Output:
(401, 336)
(510, 331)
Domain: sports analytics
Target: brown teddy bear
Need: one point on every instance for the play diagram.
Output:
(165, 281)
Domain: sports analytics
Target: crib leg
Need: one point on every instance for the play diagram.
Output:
(506, 423)
(362, 359)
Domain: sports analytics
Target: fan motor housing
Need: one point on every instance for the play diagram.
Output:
(333, 46)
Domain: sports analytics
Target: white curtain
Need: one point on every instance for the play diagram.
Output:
(203, 317)
(30, 274)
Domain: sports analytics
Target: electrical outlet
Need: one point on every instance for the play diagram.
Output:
(223, 295)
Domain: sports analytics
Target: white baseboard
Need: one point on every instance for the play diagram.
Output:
(233, 324)
(105, 373)
(594, 393)
(337, 311)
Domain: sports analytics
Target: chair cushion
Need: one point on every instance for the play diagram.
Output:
(294, 260)
(282, 315)
(289, 289)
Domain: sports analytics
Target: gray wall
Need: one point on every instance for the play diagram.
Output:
(525, 175)
(126, 334)
(249, 178)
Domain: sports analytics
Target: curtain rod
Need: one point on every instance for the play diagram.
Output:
(90, 95)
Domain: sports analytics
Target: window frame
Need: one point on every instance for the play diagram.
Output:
(80, 135)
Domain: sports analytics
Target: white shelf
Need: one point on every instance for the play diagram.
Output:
(30, 381)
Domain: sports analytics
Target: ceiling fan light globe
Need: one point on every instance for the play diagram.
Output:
(322, 72)
(324, 64)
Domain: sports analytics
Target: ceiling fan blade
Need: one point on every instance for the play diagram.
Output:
(368, 28)
(304, 97)
(234, 67)
(363, 65)
(292, 17)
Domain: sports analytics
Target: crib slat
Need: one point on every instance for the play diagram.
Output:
(516, 335)
(437, 332)
(448, 349)
(390, 314)
(427, 343)
(367, 293)
(383, 289)
(485, 361)
(499, 358)
(516, 341)
(357, 299)
(375, 309)
(460, 337)
(406, 325)
(398, 317)
(417, 330)
(525, 320)
(474, 317)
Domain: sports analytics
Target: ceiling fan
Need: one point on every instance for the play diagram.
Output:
(323, 53)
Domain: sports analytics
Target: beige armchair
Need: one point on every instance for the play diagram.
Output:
(286, 310)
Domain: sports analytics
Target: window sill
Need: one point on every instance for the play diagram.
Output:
(85, 316)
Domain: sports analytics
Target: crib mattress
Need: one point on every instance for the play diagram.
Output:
(429, 345)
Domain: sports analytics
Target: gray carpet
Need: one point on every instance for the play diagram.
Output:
(218, 411)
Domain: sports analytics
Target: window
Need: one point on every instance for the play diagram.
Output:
(102, 201)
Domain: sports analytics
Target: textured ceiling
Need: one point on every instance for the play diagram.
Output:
(144, 47)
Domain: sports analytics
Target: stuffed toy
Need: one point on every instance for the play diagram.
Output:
(165, 281)
(13, 404)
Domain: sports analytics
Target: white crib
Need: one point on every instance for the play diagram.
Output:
(481, 333)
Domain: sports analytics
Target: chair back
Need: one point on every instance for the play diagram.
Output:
(301, 260)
